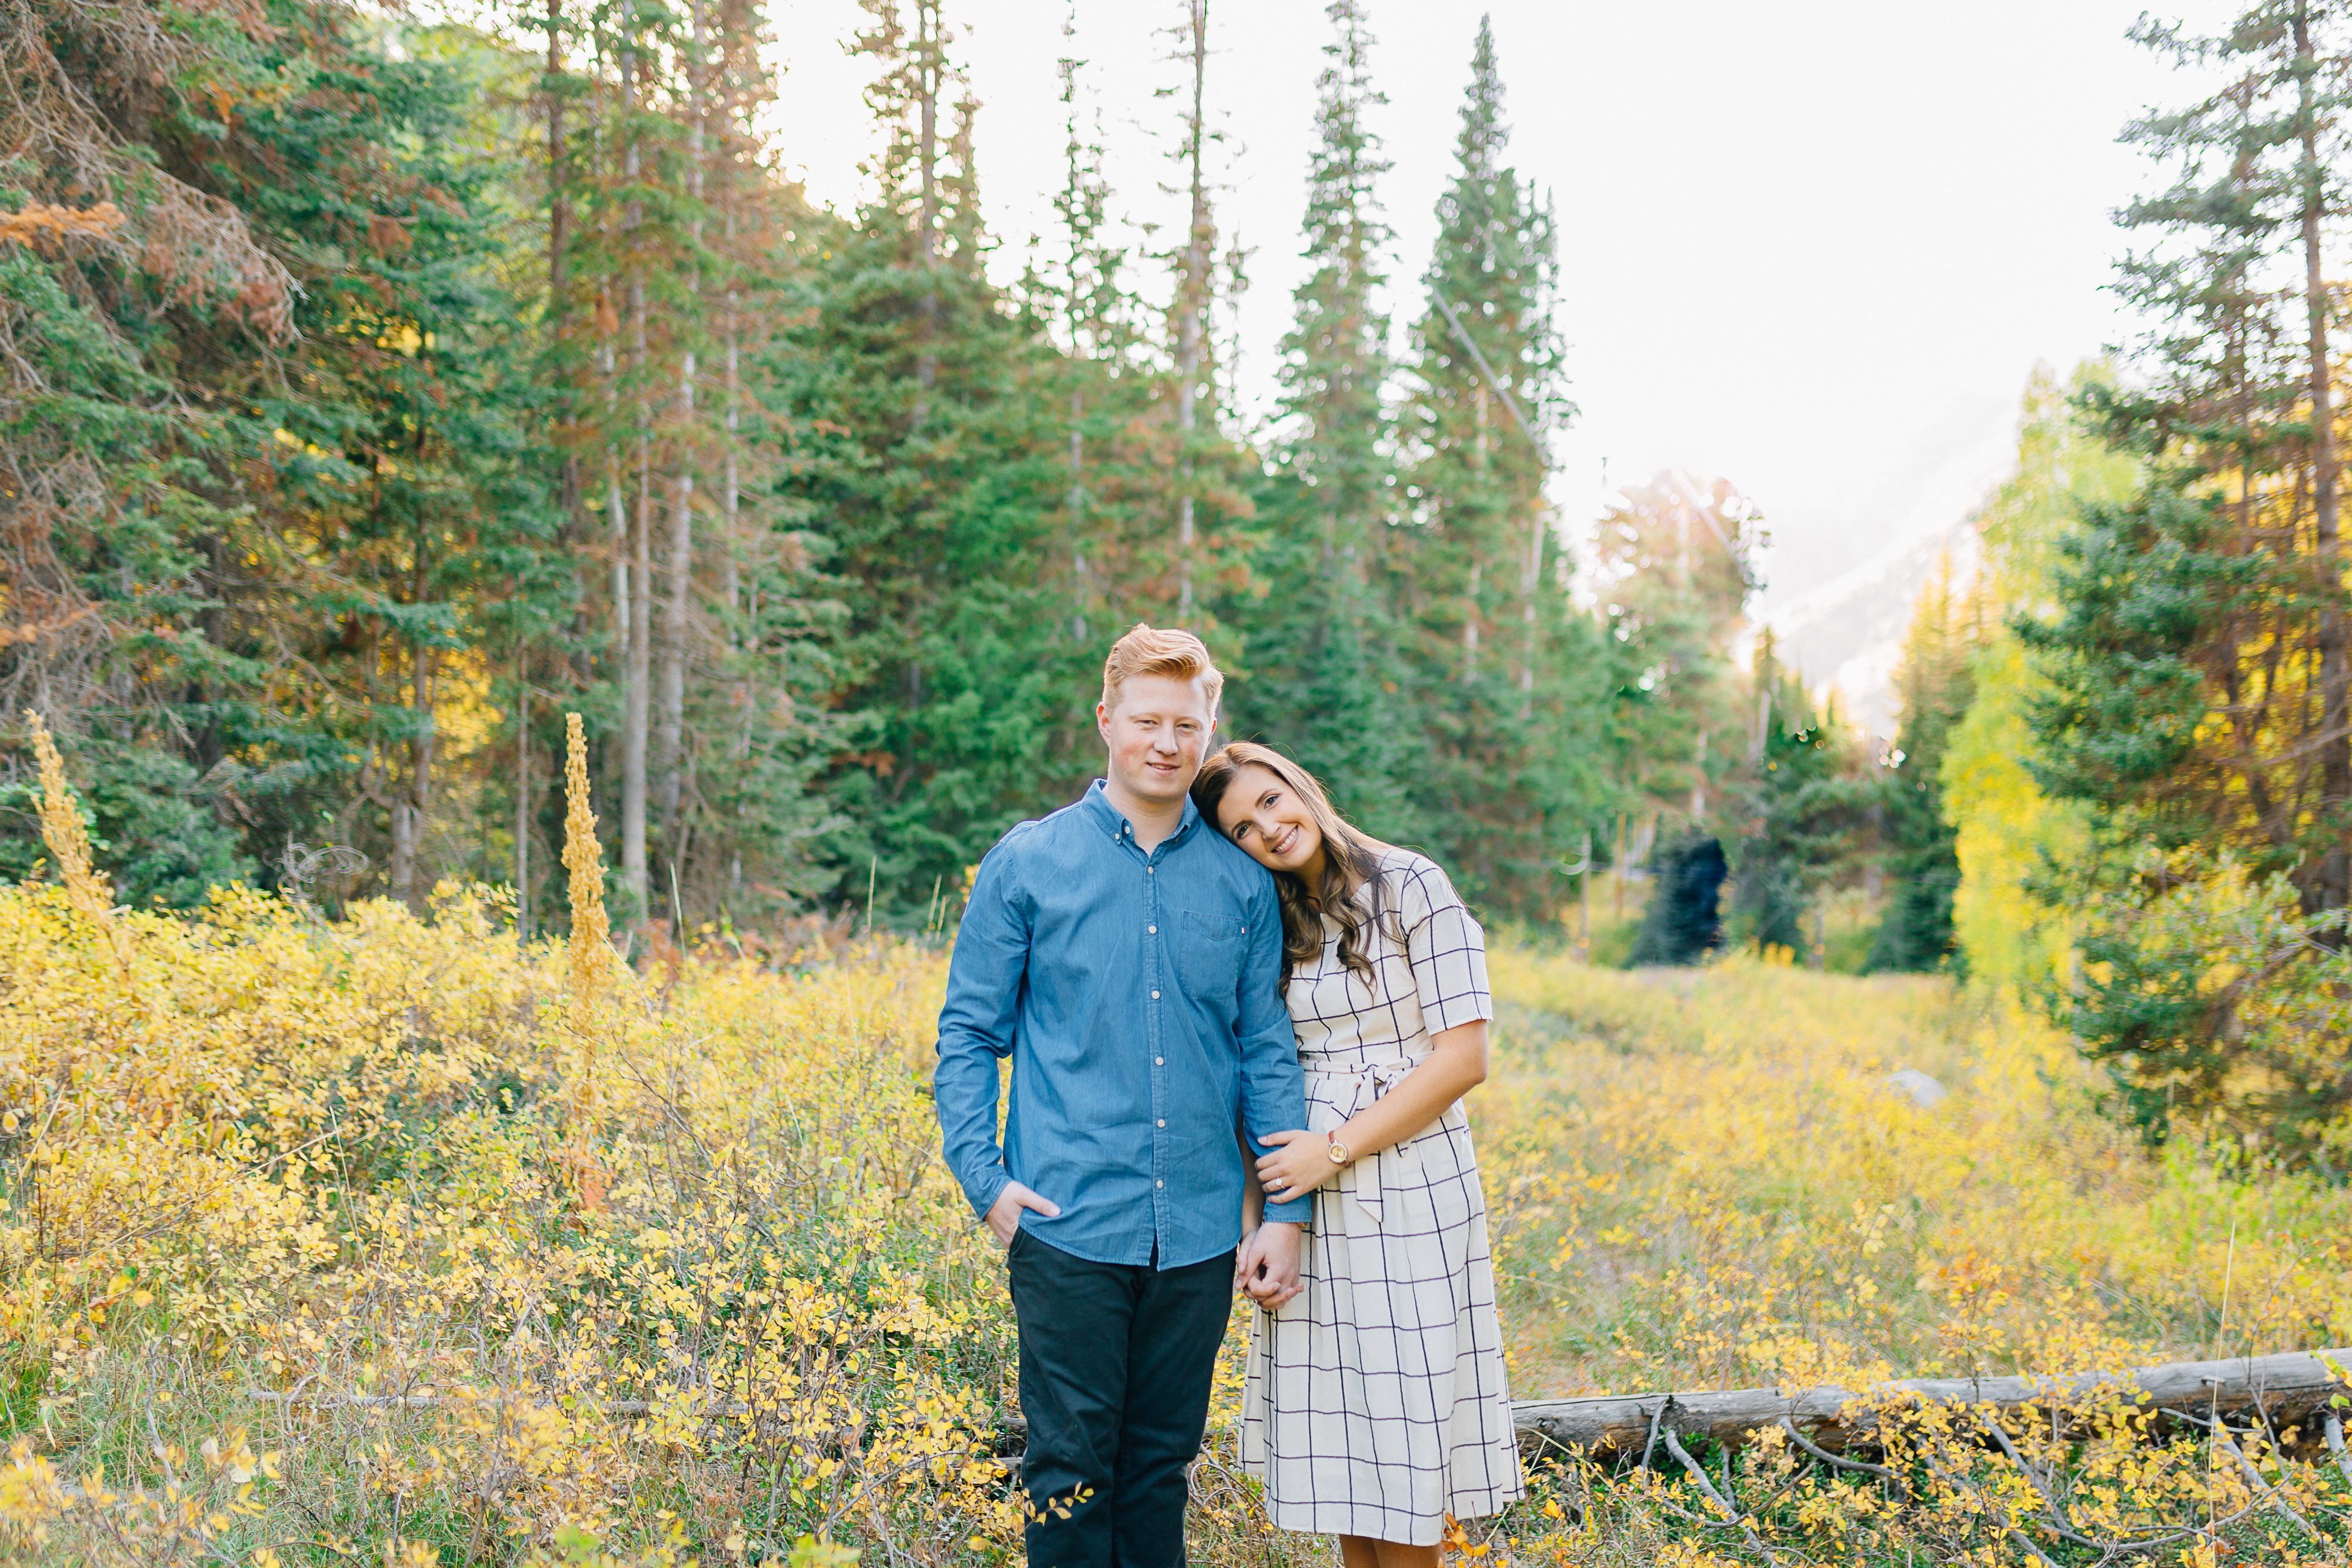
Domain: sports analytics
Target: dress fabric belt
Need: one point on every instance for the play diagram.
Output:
(1369, 1081)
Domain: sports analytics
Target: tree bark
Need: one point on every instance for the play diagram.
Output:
(669, 734)
(2286, 1389)
(412, 799)
(557, 214)
(522, 799)
(2335, 880)
(928, 47)
(1191, 304)
(640, 646)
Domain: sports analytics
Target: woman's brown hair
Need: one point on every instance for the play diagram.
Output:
(1351, 890)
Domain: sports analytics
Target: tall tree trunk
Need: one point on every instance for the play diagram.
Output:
(558, 214)
(617, 508)
(731, 479)
(523, 797)
(1530, 581)
(2335, 880)
(1193, 303)
(557, 222)
(1470, 539)
(1470, 622)
(1078, 502)
(928, 47)
(640, 651)
(413, 798)
(669, 737)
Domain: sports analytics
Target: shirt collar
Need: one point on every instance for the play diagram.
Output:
(1097, 801)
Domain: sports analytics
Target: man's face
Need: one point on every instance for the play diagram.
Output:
(1157, 732)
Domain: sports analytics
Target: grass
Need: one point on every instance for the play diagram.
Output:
(337, 1242)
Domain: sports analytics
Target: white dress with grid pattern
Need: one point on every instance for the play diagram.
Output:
(1376, 1403)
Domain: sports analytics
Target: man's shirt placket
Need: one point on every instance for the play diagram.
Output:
(1161, 986)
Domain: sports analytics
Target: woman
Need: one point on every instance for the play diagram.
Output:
(1376, 1403)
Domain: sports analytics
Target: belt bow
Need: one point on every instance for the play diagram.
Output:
(1370, 1081)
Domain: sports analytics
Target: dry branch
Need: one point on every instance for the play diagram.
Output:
(2287, 1389)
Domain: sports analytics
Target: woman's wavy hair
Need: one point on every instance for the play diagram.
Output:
(1351, 890)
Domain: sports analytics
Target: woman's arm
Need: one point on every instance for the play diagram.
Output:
(1455, 1065)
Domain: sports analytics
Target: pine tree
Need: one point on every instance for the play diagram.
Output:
(322, 526)
(1209, 474)
(1675, 561)
(1795, 819)
(1935, 683)
(2194, 659)
(1478, 573)
(1320, 682)
(2196, 652)
(931, 465)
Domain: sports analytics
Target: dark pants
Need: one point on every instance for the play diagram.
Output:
(1116, 1360)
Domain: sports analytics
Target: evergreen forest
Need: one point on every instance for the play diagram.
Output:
(380, 389)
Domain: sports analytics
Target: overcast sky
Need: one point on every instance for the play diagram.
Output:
(1814, 248)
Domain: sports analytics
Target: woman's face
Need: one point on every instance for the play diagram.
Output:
(1266, 818)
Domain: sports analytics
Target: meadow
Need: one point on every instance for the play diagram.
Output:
(387, 1238)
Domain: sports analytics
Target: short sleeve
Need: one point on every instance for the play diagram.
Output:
(1447, 950)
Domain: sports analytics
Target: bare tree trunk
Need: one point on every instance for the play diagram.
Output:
(2284, 1390)
(1478, 455)
(1528, 583)
(640, 648)
(1076, 215)
(413, 801)
(1193, 304)
(557, 217)
(559, 224)
(522, 799)
(1078, 569)
(928, 47)
(1470, 622)
(2335, 880)
(617, 510)
(669, 735)
(557, 214)
(616, 506)
(731, 500)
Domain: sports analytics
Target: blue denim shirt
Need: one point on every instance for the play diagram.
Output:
(1140, 998)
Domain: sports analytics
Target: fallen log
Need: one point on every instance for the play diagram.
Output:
(2283, 1390)
(2286, 1390)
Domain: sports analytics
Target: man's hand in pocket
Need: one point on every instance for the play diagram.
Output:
(1004, 1214)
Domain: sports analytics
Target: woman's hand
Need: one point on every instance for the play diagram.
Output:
(1299, 1163)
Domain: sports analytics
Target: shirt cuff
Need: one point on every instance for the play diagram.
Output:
(1299, 1212)
(984, 1192)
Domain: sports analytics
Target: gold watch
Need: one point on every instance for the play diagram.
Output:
(1336, 1149)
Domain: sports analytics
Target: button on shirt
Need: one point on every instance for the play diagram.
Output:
(1139, 997)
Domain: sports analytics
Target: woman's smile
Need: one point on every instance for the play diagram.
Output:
(1268, 821)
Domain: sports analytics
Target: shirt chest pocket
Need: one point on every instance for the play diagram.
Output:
(1210, 948)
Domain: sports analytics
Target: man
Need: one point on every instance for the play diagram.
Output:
(1128, 958)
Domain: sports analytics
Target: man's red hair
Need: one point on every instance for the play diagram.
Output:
(1156, 651)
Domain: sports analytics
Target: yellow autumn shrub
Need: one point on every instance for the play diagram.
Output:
(330, 1198)
(388, 1239)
